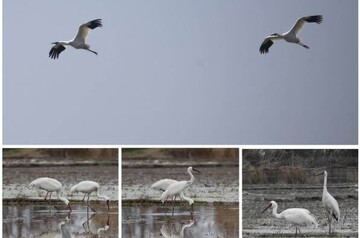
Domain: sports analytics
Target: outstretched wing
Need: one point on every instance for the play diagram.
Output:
(264, 48)
(56, 50)
(301, 21)
(84, 29)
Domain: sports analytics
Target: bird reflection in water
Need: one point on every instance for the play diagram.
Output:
(99, 231)
(175, 228)
(63, 228)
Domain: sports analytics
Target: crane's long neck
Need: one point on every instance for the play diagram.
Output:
(189, 200)
(192, 178)
(275, 214)
(184, 227)
(62, 198)
(101, 196)
(325, 184)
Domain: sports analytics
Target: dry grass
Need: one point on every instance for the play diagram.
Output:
(299, 166)
(204, 153)
(60, 153)
(198, 153)
(284, 174)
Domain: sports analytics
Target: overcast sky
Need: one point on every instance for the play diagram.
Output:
(180, 72)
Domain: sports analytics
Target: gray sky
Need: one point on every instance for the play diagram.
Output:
(180, 72)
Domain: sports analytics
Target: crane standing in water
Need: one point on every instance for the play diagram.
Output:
(50, 185)
(177, 188)
(163, 184)
(88, 187)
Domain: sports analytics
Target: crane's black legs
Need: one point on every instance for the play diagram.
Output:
(88, 204)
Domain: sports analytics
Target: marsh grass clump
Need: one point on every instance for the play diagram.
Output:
(298, 166)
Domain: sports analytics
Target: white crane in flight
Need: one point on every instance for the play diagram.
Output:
(290, 36)
(78, 42)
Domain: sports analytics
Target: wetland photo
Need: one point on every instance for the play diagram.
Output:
(60, 192)
(180, 192)
(312, 193)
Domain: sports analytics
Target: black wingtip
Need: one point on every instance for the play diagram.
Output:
(317, 19)
(95, 23)
(55, 51)
(264, 48)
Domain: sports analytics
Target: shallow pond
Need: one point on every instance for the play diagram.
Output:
(41, 220)
(159, 221)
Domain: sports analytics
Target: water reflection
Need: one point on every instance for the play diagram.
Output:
(86, 225)
(207, 221)
(174, 229)
(38, 221)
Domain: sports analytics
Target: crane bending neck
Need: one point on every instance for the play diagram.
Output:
(62, 198)
(101, 196)
(189, 200)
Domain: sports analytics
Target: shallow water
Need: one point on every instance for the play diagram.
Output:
(43, 221)
(158, 221)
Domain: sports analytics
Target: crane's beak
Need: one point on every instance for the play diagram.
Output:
(108, 204)
(320, 173)
(196, 170)
(69, 208)
(267, 207)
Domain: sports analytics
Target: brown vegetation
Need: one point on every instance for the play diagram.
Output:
(299, 166)
(60, 153)
(198, 153)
